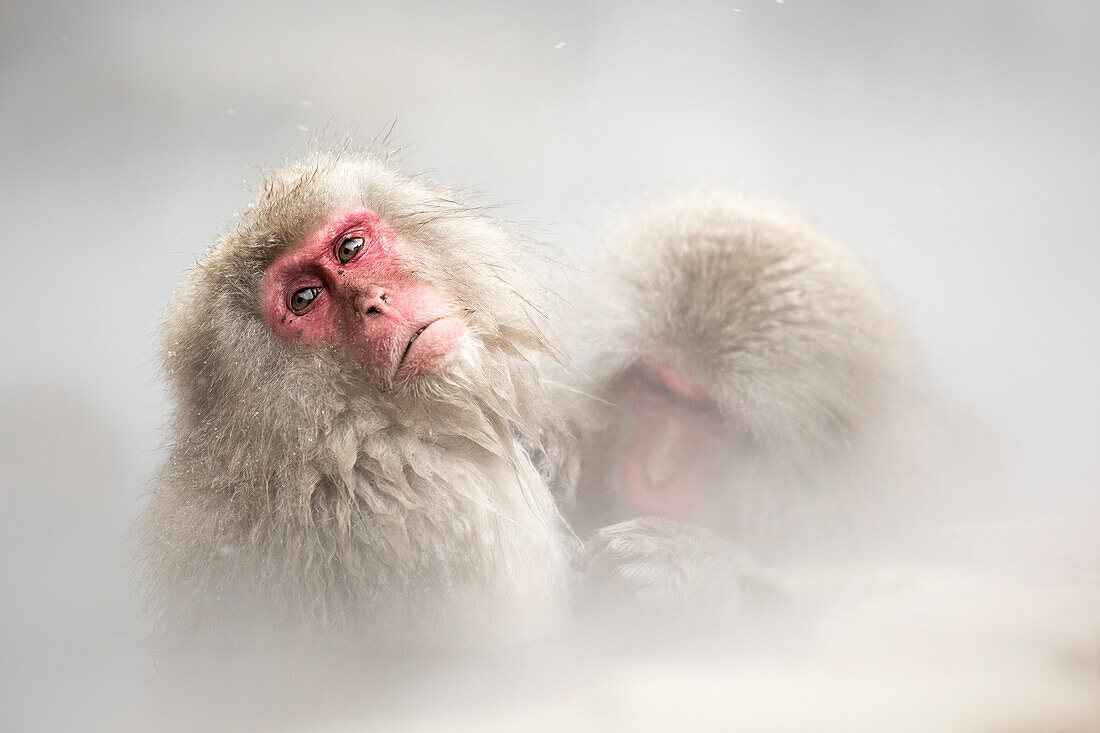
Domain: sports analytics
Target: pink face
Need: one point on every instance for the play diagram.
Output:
(345, 285)
(673, 431)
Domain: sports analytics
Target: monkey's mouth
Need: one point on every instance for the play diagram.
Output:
(408, 346)
(673, 428)
(430, 345)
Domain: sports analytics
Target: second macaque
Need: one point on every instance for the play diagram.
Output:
(748, 375)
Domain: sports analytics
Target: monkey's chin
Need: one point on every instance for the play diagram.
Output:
(431, 348)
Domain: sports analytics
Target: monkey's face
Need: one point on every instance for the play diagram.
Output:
(349, 285)
(670, 429)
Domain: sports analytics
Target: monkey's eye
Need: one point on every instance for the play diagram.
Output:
(348, 249)
(301, 299)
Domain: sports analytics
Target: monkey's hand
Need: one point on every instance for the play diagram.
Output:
(659, 564)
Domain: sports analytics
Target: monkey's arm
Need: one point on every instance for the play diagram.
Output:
(661, 565)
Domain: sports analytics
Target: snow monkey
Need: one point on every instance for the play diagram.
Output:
(353, 371)
(750, 377)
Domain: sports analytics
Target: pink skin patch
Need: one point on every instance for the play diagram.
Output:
(675, 431)
(679, 381)
(394, 325)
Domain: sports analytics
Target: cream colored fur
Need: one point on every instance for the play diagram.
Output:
(302, 494)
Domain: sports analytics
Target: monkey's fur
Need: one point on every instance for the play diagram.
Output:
(798, 345)
(301, 495)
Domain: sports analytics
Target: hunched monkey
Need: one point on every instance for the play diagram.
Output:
(747, 376)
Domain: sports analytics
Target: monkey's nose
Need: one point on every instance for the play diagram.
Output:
(371, 300)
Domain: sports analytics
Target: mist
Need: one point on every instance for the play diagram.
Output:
(952, 146)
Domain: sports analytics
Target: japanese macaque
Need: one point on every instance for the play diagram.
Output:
(750, 377)
(352, 366)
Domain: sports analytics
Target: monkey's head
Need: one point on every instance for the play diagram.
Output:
(350, 288)
(748, 345)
